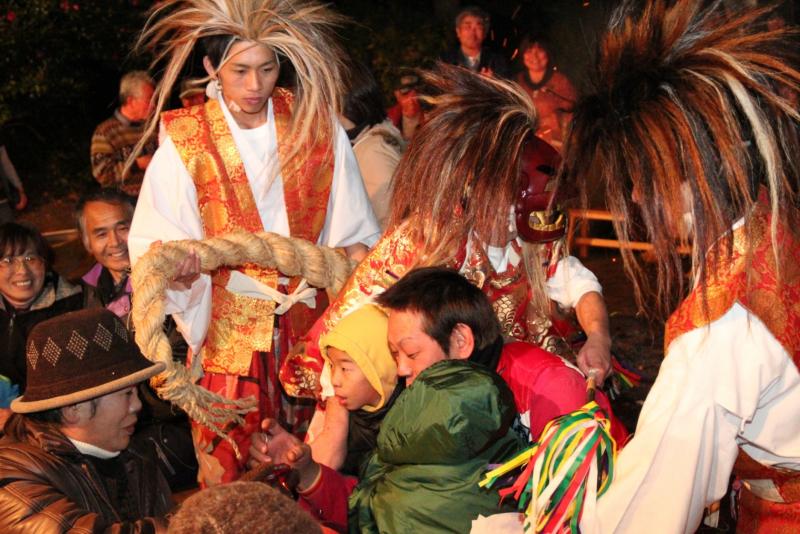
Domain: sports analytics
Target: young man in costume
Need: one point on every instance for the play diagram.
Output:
(474, 192)
(254, 157)
(687, 123)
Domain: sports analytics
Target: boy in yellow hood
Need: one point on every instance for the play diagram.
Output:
(364, 379)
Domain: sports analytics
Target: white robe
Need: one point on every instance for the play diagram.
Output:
(721, 386)
(167, 210)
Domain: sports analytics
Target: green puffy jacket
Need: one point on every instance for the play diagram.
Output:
(433, 449)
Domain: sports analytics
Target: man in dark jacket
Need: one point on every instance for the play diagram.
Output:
(65, 461)
(472, 25)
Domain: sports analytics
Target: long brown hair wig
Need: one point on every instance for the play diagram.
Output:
(462, 169)
(687, 115)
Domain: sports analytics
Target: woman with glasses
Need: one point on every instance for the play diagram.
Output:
(30, 292)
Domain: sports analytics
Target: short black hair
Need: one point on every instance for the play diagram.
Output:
(531, 40)
(52, 416)
(473, 11)
(363, 101)
(444, 298)
(55, 416)
(108, 195)
(16, 237)
(215, 47)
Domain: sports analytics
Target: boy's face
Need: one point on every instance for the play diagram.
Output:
(353, 390)
(413, 349)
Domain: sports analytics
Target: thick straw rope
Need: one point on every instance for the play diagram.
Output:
(322, 267)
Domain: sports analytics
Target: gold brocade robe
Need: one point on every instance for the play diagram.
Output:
(241, 325)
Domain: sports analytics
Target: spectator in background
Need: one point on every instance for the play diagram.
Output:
(407, 114)
(552, 93)
(472, 26)
(114, 139)
(104, 219)
(30, 292)
(9, 196)
(376, 142)
(193, 93)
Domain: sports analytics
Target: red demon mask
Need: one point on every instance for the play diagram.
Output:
(538, 220)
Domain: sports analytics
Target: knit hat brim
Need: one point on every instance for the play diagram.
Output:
(20, 405)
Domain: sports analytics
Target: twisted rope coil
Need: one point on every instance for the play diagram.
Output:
(322, 267)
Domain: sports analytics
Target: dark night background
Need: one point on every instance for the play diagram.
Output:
(62, 60)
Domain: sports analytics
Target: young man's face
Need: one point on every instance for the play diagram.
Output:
(248, 79)
(413, 349)
(105, 235)
(113, 422)
(353, 390)
(471, 32)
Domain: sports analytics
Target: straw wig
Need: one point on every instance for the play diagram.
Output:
(298, 31)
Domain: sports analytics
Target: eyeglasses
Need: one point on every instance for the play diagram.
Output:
(31, 261)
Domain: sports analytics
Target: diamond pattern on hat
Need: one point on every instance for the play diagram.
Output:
(33, 354)
(51, 351)
(121, 331)
(77, 345)
(103, 337)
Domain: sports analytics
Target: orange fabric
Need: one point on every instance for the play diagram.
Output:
(754, 286)
(759, 516)
(307, 186)
(206, 146)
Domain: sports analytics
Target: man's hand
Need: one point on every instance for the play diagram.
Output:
(143, 161)
(357, 251)
(277, 446)
(486, 71)
(23, 201)
(595, 355)
(187, 271)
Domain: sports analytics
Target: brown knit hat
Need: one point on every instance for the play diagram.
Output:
(79, 356)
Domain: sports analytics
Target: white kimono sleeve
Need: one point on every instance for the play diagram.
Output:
(166, 211)
(350, 218)
(720, 386)
(571, 281)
